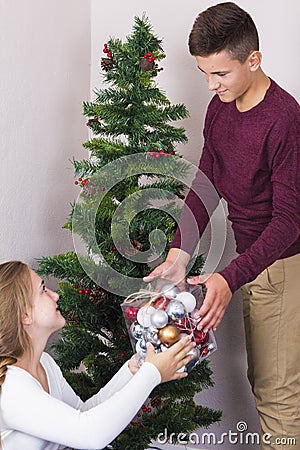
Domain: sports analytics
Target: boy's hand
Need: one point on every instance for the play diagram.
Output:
(173, 269)
(217, 298)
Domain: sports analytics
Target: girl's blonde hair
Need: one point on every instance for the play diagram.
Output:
(15, 300)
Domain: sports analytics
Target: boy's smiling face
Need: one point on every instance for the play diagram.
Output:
(229, 78)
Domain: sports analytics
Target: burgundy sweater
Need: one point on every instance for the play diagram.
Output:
(253, 161)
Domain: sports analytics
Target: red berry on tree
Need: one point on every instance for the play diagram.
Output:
(76, 182)
(80, 291)
(157, 155)
(109, 54)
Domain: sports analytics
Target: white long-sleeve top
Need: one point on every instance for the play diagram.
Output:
(32, 419)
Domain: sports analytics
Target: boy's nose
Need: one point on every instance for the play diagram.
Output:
(212, 83)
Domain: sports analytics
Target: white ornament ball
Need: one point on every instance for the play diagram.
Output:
(144, 315)
(188, 300)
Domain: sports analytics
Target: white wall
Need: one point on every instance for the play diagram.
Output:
(45, 76)
(278, 24)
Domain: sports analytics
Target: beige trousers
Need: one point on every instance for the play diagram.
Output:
(271, 306)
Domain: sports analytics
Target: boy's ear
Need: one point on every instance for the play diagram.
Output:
(254, 60)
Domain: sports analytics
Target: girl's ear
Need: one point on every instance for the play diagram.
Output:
(27, 319)
(254, 60)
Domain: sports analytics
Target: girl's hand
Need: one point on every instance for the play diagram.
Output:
(133, 364)
(172, 360)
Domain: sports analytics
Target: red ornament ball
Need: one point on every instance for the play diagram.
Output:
(201, 337)
(131, 313)
(204, 351)
(161, 303)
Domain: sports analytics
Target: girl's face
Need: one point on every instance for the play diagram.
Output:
(45, 317)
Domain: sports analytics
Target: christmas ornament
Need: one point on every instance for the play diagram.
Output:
(136, 330)
(146, 65)
(196, 355)
(159, 318)
(169, 335)
(169, 290)
(107, 63)
(151, 335)
(144, 315)
(161, 303)
(140, 347)
(72, 317)
(89, 190)
(175, 310)
(204, 351)
(131, 313)
(200, 337)
(163, 320)
(188, 300)
(147, 62)
(156, 401)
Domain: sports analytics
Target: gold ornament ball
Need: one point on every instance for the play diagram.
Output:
(169, 335)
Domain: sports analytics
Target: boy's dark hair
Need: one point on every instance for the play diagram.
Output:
(225, 26)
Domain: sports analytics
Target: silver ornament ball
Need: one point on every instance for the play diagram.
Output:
(175, 310)
(136, 330)
(159, 318)
(196, 355)
(151, 335)
(169, 290)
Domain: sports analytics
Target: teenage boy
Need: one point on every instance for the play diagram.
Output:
(251, 155)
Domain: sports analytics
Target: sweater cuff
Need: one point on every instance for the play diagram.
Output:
(152, 370)
(232, 279)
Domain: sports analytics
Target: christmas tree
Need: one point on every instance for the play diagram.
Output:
(122, 222)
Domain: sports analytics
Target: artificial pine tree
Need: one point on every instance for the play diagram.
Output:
(132, 168)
